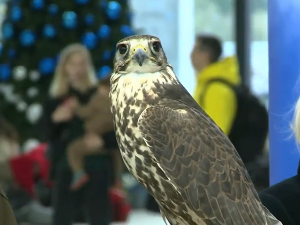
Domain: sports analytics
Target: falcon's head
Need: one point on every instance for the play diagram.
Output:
(139, 54)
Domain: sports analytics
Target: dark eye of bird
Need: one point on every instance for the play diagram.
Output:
(156, 46)
(122, 49)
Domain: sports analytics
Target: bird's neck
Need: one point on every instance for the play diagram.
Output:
(140, 85)
(137, 86)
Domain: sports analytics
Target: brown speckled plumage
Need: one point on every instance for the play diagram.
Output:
(175, 150)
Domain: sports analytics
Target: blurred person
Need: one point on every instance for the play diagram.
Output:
(283, 199)
(9, 148)
(97, 119)
(7, 216)
(230, 104)
(75, 78)
(219, 100)
(17, 178)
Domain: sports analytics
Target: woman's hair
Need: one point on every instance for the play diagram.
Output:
(296, 123)
(7, 131)
(60, 86)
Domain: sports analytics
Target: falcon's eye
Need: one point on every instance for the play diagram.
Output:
(122, 48)
(156, 46)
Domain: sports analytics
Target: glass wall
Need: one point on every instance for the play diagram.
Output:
(217, 17)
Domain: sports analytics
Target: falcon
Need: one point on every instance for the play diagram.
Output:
(173, 148)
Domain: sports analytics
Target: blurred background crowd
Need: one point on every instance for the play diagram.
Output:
(59, 160)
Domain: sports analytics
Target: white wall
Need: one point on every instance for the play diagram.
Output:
(173, 22)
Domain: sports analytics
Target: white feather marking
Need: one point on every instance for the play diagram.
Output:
(135, 82)
(175, 188)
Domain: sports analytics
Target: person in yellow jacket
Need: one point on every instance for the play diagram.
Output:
(217, 99)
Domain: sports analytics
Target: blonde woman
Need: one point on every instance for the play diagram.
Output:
(75, 78)
(283, 199)
(8, 149)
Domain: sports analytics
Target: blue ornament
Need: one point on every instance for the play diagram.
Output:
(7, 31)
(103, 4)
(89, 19)
(130, 16)
(49, 31)
(82, 1)
(70, 19)
(27, 37)
(12, 53)
(106, 55)
(104, 32)
(47, 65)
(53, 9)
(37, 4)
(15, 13)
(126, 30)
(56, 58)
(113, 10)
(0, 49)
(5, 72)
(89, 39)
(104, 72)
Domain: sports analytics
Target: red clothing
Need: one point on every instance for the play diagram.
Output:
(121, 207)
(23, 167)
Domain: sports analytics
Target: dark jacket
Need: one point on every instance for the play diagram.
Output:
(7, 216)
(58, 136)
(283, 200)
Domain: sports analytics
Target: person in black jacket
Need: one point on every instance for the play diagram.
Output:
(75, 77)
(283, 199)
(6, 213)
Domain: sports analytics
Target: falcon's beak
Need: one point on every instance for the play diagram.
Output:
(140, 55)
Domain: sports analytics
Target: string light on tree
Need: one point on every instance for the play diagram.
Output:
(12, 53)
(6, 89)
(70, 20)
(46, 66)
(49, 31)
(38, 4)
(89, 19)
(27, 37)
(34, 112)
(107, 54)
(19, 73)
(32, 92)
(81, 2)
(15, 13)
(104, 72)
(89, 39)
(34, 75)
(5, 72)
(7, 31)
(104, 32)
(53, 9)
(114, 10)
(21, 106)
(30, 144)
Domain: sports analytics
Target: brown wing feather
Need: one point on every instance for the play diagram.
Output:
(202, 163)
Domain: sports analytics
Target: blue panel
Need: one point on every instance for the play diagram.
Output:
(284, 85)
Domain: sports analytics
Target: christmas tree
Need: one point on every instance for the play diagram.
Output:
(33, 34)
